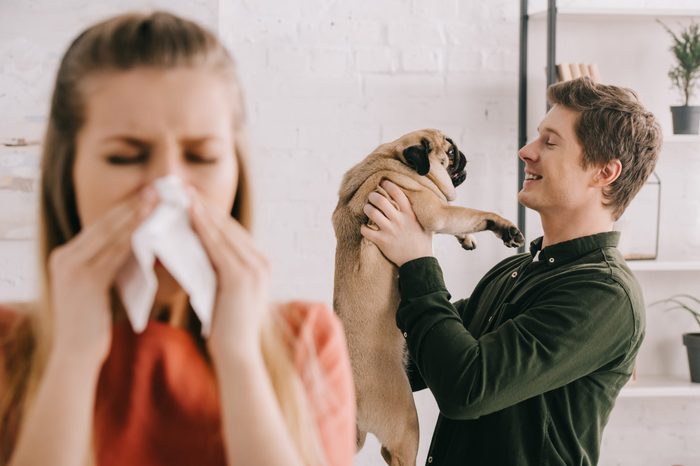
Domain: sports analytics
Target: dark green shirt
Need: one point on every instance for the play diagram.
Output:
(526, 371)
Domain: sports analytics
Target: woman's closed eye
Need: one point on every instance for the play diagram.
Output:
(196, 157)
(116, 159)
(191, 157)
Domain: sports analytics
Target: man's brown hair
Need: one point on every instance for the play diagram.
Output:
(613, 124)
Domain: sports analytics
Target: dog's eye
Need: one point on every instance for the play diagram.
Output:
(451, 152)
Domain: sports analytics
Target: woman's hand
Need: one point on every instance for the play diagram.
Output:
(81, 274)
(57, 428)
(253, 425)
(399, 235)
(243, 275)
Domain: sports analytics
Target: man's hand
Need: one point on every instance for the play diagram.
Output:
(399, 235)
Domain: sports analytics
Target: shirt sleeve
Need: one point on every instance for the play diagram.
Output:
(412, 372)
(332, 395)
(414, 378)
(575, 328)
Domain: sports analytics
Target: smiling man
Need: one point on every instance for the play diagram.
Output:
(527, 370)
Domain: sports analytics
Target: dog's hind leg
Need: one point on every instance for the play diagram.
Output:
(399, 435)
(386, 455)
(402, 455)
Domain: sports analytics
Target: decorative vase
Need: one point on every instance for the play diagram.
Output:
(692, 342)
(686, 119)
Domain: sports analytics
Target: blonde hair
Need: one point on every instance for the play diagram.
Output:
(158, 40)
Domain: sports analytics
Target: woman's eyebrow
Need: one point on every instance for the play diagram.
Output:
(142, 144)
(200, 140)
(132, 141)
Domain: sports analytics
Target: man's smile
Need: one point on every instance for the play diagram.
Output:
(530, 178)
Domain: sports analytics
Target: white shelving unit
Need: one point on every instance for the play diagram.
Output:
(645, 386)
(664, 266)
(682, 138)
(617, 13)
(660, 387)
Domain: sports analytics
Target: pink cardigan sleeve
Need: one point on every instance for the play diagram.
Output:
(334, 402)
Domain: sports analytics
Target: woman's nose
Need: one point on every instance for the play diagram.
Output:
(167, 161)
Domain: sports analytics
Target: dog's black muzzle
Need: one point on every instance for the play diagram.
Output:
(457, 170)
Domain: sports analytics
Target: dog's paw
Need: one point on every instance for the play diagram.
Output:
(512, 237)
(467, 241)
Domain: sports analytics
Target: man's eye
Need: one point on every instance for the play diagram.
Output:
(196, 158)
(126, 159)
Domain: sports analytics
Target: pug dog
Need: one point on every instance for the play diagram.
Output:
(428, 167)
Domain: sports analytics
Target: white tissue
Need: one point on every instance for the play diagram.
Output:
(167, 235)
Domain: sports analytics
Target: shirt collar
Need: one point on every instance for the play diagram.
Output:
(566, 251)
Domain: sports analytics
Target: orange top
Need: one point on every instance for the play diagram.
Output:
(157, 401)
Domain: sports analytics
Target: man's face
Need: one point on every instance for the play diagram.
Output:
(555, 181)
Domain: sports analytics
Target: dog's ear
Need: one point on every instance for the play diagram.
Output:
(417, 157)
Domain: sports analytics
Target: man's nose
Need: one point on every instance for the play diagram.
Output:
(527, 152)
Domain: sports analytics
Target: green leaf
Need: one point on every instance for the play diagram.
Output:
(687, 302)
(685, 74)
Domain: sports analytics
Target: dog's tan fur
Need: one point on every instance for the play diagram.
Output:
(366, 293)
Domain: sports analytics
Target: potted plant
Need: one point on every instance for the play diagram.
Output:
(690, 304)
(684, 75)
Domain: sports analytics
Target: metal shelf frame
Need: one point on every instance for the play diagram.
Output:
(522, 86)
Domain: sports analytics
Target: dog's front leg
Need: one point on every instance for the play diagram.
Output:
(461, 221)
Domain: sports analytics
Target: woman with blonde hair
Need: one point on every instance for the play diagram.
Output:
(138, 98)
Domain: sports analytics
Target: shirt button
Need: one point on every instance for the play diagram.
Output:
(551, 260)
(405, 334)
(430, 459)
(514, 274)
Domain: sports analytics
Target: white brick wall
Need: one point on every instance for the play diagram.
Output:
(325, 83)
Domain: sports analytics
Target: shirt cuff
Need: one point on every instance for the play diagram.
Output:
(420, 277)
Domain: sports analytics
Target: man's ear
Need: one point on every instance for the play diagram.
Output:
(417, 157)
(608, 173)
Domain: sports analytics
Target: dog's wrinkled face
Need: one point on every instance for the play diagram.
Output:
(430, 153)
